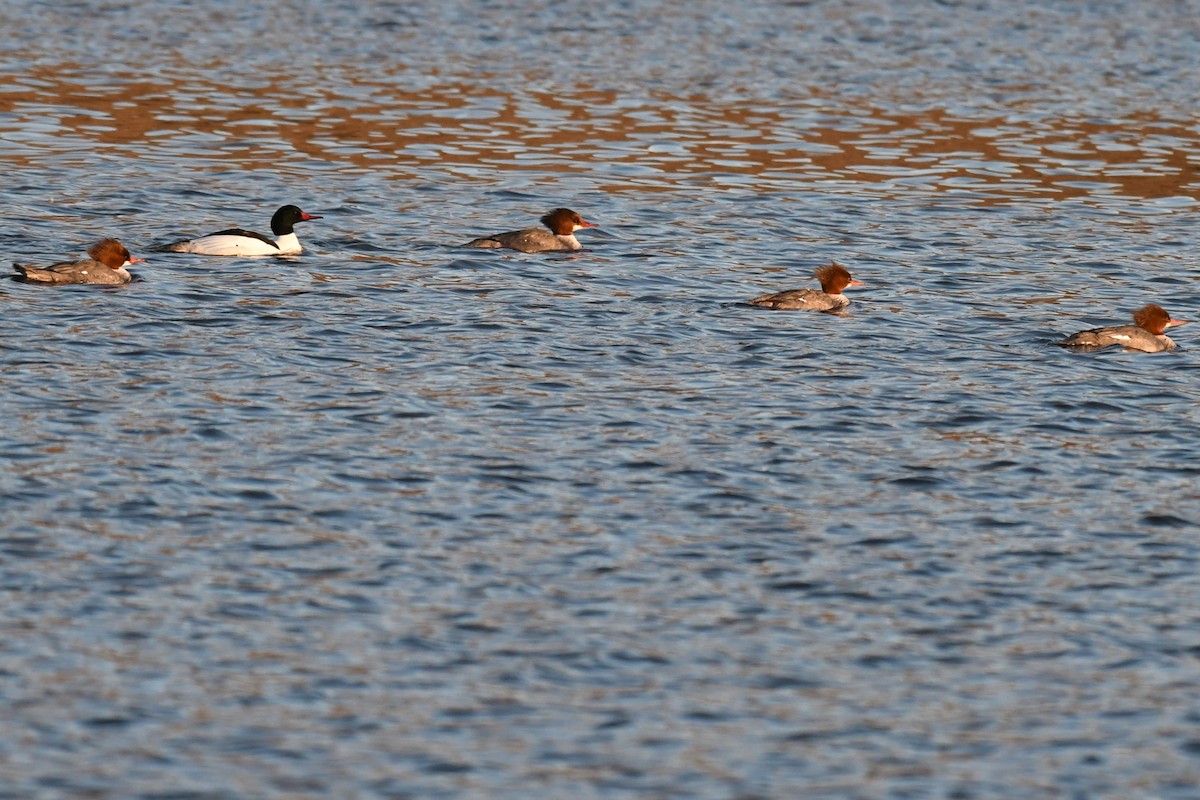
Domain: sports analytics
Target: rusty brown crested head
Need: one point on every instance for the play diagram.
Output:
(834, 278)
(111, 253)
(1155, 319)
(564, 222)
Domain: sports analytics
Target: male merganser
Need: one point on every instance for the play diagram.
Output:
(562, 222)
(834, 279)
(1146, 335)
(239, 242)
(107, 264)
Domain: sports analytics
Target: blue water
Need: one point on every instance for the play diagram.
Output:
(396, 519)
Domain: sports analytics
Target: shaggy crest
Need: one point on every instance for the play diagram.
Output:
(1153, 318)
(564, 221)
(833, 277)
(109, 252)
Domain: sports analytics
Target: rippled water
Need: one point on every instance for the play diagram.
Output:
(395, 519)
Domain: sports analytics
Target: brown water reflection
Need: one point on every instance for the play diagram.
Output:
(653, 143)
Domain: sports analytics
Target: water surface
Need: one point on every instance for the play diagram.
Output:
(395, 519)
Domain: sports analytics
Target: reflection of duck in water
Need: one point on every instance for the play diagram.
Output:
(107, 264)
(562, 222)
(239, 242)
(1145, 335)
(834, 279)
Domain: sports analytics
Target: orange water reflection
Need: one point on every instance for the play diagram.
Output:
(655, 144)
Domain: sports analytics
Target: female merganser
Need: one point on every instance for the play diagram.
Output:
(238, 242)
(107, 264)
(562, 222)
(834, 279)
(1146, 335)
